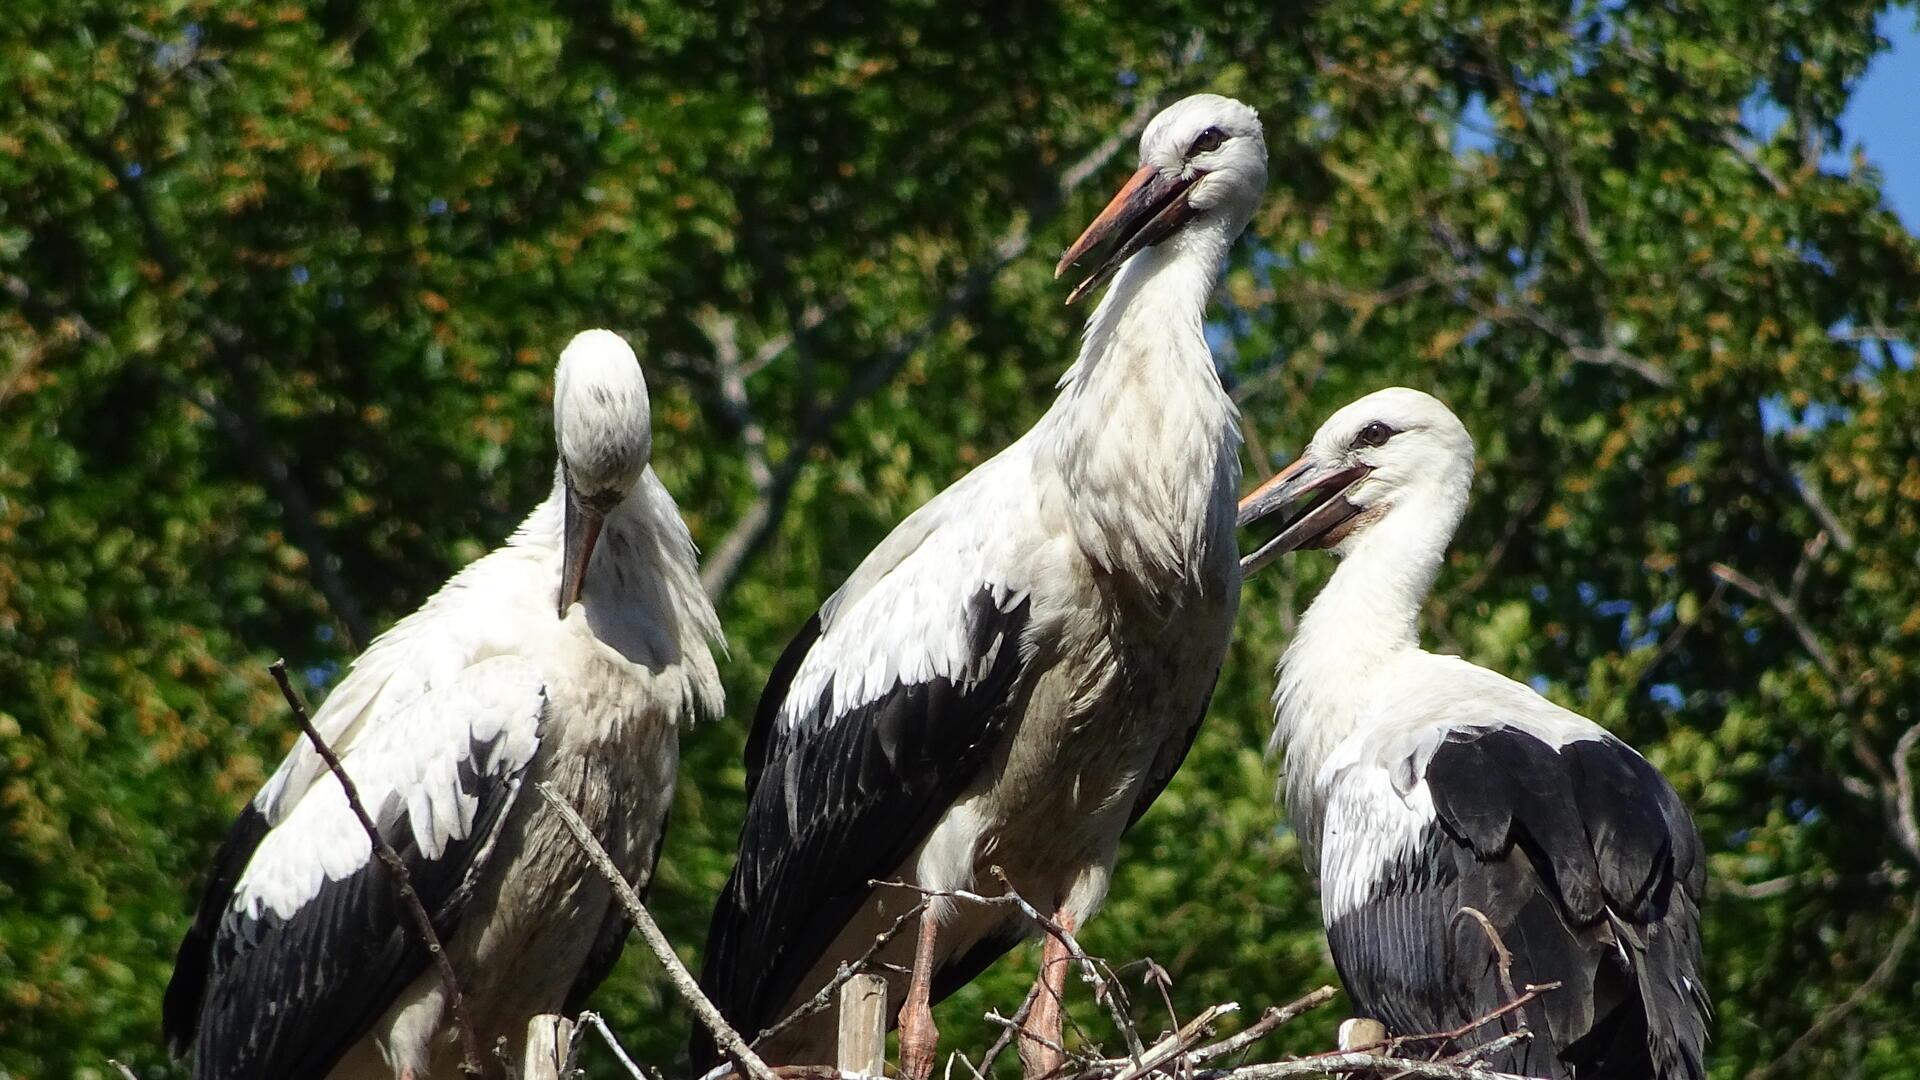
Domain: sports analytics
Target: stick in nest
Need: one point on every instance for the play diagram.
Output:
(396, 870)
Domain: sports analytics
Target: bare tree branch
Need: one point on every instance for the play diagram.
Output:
(1822, 881)
(1353, 1062)
(729, 556)
(396, 870)
(1270, 1021)
(1104, 990)
(1906, 816)
(1832, 1015)
(1790, 614)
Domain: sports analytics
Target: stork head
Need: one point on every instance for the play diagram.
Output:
(600, 420)
(1203, 158)
(1395, 449)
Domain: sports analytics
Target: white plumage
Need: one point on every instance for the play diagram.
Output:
(570, 655)
(1426, 790)
(1013, 674)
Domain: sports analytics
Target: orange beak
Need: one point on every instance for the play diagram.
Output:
(1299, 487)
(1146, 210)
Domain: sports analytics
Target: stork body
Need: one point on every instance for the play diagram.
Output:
(1015, 673)
(568, 656)
(1443, 806)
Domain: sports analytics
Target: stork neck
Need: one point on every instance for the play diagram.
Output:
(1157, 301)
(1142, 433)
(1366, 616)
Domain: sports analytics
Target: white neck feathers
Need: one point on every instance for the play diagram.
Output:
(1367, 615)
(1143, 436)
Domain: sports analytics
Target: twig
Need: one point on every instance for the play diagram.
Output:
(1005, 1038)
(1827, 881)
(1019, 1031)
(1270, 1021)
(1790, 614)
(1809, 493)
(1107, 991)
(1493, 938)
(1833, 1014)
(723, 333)
(1102, 988)
(1749, 154)
(841, 976)
(1906, 817)
(1176, 1044)
(1352, 1061)
(397, 870)
(1162, 982)
(1489, 1048)
(1604, 355)
(121, 1068)
(677, 974)
(593, 1020)
(1533, 993)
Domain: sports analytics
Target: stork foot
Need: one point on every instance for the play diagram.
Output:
(919, 1039)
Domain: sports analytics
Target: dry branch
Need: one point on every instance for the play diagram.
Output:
(677, 973)
(845, 973)
(397, 870)
(1105, 989)
(593, 1020)
(1178, 1055)
(730, 554)
(1270, 1021)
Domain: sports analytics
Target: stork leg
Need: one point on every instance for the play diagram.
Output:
(1038, 1054)
(918, 1036)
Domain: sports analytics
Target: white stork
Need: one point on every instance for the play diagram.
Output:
(1015, 673)
(570, 655)
(1442, 805)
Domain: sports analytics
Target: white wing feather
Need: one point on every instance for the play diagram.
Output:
(408, 763)
(901, 618)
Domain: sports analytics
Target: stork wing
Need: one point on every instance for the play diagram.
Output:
(300, 942)
(882, 710)
(1167, 763)
(1576, 855)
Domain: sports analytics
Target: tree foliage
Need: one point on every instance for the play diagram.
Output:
(282, 286)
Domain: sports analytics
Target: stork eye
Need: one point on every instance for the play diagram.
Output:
(1209, 140)
(1374, 434)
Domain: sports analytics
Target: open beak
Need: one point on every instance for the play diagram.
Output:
(1150, 208)
(582, 532)
(1315, 495)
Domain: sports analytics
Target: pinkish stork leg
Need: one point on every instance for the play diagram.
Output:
(1044, 1019)
(918, 1037)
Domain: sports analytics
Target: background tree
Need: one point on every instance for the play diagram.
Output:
(280, 289)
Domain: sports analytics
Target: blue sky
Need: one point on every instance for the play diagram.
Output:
(1883, 117)
(1880, 118)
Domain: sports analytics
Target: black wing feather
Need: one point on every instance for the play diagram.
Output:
(839, 800)
(180, 1010)
(779, 680)
(1165, 769)
(288, 997)
(1587, 866)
